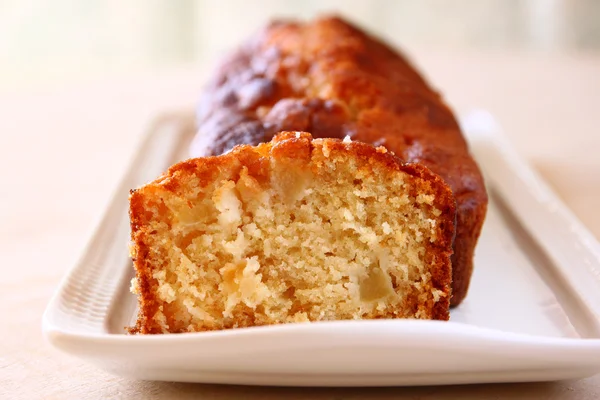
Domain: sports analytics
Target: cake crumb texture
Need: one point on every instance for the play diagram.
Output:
(294, 230)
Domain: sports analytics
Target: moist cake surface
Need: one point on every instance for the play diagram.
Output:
(293, 230)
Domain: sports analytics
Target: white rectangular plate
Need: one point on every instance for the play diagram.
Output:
(532, 314)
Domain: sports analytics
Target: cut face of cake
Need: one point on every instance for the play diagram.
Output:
(294, 230)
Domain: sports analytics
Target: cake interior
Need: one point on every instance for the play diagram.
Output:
(334, 239)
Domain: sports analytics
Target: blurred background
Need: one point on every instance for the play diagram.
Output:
(51, 42)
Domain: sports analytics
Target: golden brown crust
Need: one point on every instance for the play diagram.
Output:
(255, 160)
(329, 78)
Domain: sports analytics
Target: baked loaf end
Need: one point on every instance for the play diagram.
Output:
(329, 78)
(289, 231)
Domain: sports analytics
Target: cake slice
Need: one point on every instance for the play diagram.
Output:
(294, 230)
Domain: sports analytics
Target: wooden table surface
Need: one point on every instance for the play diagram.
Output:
(64, 150)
